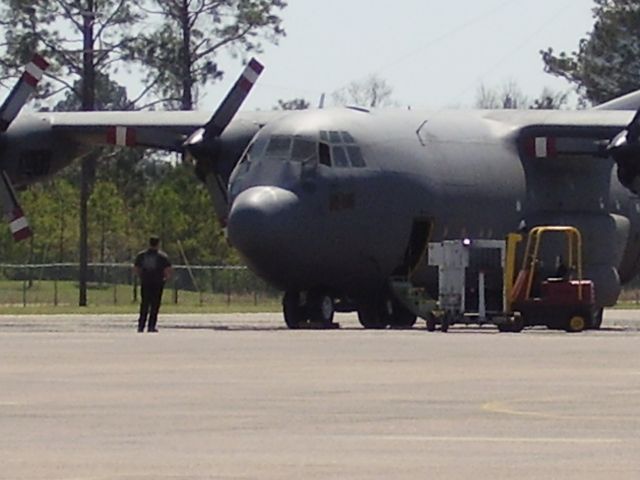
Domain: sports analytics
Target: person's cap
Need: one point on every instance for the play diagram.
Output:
(154, 240)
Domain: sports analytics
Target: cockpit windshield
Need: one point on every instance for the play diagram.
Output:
(334, 149)
(304, 150)
(296, 149)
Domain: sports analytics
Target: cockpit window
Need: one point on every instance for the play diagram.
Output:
(303, 150)
(325, 156)
(257, 148)
(355, 155)
(335, 148)
(334, 137)
(347, 138)
(339, 157)
(279, 147)
(345, 152)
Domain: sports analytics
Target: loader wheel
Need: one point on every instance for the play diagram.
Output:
(576, 323)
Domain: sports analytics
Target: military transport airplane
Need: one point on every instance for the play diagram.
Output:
(329, 204)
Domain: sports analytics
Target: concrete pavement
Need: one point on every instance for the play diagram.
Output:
(238, 396)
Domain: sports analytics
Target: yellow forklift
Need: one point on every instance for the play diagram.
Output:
(562, 300)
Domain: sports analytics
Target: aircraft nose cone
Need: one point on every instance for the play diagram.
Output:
(260, 223)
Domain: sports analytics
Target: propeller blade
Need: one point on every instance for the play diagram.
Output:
(18, 223)
(204, 143)
(22, 91)
(624, 149)
(232, 102)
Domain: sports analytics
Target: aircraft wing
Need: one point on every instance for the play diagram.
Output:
(558, 133)
(160, 130)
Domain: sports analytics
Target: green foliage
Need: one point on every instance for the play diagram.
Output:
(108, 223)
(170, 203)
(109, 95)
(607, 61)
(179, 55)
(134, 194)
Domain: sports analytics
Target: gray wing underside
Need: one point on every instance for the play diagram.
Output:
(159, 130)
(169, 130)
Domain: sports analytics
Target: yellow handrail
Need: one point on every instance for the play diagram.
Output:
(532, 250)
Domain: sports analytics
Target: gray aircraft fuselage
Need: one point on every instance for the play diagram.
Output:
(305, 223)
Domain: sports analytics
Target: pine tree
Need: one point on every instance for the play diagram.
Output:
(607, 62)
(179, 54)
(83, 39)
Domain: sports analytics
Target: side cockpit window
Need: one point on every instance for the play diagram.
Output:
(255, 150)
(344, 150)
(325, 154)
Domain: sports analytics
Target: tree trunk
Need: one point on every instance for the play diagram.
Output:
(185, 58)
(87, 172)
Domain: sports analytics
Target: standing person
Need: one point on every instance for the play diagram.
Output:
(154, 269)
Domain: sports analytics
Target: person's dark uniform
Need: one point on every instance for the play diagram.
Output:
(154, 268)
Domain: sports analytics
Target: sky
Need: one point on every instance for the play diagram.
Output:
(433, 53)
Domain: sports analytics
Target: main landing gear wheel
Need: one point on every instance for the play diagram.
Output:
(400, 317)
(372, 317)
(431, 322)
(596, 318)
(514, 325)
(385, 312)
(321, 309)
(294, 312)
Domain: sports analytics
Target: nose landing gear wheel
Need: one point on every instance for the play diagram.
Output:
(321, 309)
(294, 312)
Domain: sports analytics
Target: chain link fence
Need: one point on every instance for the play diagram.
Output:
(56, 284)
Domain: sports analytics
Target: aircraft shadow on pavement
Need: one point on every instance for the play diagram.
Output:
(452, 331)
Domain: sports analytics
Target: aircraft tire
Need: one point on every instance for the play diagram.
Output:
(294, 313)
(596, 319)
(321, 309)
(431, 323)
(401, 317)
(445, 322)
(518, 324)
(515, 325)
(372, 316)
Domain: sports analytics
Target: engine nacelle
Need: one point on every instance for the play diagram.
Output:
(628, 161)
(29, 151)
